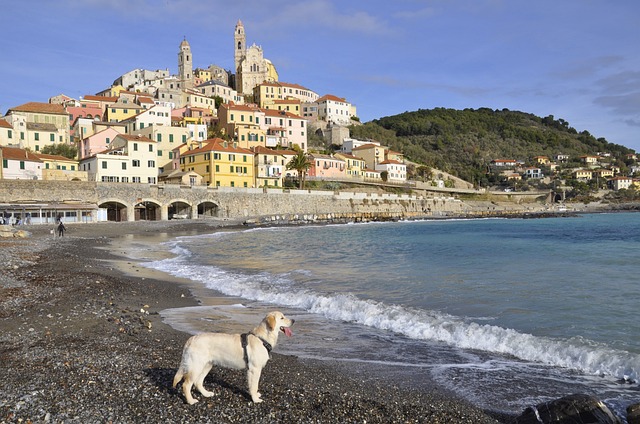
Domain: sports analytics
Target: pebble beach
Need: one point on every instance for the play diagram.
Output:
(82, 340)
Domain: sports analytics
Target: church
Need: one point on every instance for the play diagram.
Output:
(251, 67)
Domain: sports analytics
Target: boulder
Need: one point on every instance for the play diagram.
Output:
(572, 409)
(633, 414)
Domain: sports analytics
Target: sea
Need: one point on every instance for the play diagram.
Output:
(505, 313)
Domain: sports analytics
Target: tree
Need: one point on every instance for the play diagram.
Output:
(301, 164)
(61, 149)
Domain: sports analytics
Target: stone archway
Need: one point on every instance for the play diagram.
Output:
(179, 210)
(116, 211)
(147, 210)
(208, 210)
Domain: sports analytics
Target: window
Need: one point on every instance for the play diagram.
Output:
(37, 136)
(52, 137)
(170, 138)
(21, 164)
(159, 153)
(5, 163)
(151, 147)
(151, 164)
(184, 138)
(135, 147)
(245, 184)
(244, 158)
(135, 163)
(21, 135)
(217, 168)
(159, 137)
(124, 165)
(233, 184)
(104, 164)
(135, 179)
(10, 134)
(231, 168)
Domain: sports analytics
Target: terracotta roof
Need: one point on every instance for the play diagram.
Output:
(218, 145)
(390, 162)
(332, 98)
(273, 112)
(36, 107)
(366, 146)
(53, 157)
(5, 124)
(15, 153)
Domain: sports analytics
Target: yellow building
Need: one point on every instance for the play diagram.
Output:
(583, 174)
(355, 165)
(37, 125)
(221, 163)
(243, 123)
(121, 110)
(288, 105)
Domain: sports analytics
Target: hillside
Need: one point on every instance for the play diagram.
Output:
(463, 142)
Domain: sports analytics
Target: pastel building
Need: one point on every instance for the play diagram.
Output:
(355, 165)
(336, 110)
(36, 125)
(396, 171)
(325, 166)
(245, 123)
(129, 159)
(96, 143)
(19, 164)
(221, 164)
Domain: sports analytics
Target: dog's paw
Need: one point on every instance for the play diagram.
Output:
(192, 401)
(256, 400)
(207, 394)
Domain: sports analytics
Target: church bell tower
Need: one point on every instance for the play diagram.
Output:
(185, 64)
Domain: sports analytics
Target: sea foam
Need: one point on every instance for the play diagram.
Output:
(578, 354)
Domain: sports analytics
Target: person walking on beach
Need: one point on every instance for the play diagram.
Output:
(61, 229)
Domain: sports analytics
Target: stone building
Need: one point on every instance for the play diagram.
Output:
(250, 65)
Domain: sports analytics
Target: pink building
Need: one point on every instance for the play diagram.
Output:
(96, 143)
(325, 166)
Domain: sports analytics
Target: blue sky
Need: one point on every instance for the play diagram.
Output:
(575, 59)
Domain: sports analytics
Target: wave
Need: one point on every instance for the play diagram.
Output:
(578, 354)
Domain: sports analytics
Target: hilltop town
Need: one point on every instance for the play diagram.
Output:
(240, 128)
(209, 126)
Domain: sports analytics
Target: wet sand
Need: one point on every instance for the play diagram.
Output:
(82, 340)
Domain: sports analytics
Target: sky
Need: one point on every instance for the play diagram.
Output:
(578, 60)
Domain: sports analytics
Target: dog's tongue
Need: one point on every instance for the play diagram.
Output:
(287, 331)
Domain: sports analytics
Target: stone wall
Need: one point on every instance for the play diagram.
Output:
(238, 203)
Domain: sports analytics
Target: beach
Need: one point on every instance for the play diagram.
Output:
(82, 341)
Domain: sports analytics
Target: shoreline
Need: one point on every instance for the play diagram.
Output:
(83, 341)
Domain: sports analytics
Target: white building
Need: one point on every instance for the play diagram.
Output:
(396, 171)
(335, 110)
(19, 164)
(129, 159)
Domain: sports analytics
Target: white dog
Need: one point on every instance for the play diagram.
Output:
(237, 351)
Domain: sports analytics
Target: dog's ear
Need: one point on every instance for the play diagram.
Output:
(271, 322)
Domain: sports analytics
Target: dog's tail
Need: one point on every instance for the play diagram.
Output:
(178, 376)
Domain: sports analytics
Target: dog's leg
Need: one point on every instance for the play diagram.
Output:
(200, 382)
(253, 378)
(187, 383)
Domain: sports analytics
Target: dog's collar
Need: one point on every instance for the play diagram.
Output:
(244, 342)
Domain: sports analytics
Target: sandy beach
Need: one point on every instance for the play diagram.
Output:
(82, 341)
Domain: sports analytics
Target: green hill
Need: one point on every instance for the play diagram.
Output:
(464, 142)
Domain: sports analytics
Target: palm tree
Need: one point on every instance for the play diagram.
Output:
(300, 163)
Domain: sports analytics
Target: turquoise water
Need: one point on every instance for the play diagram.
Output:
(504, 312)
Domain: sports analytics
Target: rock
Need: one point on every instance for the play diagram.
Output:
(633, 413)
(572, 409)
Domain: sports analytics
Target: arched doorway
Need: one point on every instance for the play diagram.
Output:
(208, 210)
(116, 211)
(179, 210)
(146, 210)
